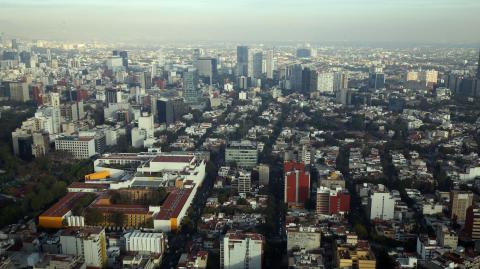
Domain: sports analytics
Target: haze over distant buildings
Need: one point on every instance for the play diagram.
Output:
(440, 21)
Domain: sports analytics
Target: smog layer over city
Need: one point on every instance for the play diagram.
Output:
(307, 134)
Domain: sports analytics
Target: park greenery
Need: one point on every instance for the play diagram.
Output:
(28, 188)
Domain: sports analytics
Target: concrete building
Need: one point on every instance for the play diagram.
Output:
(169, 110)
(241, 251)
(145, 242)
(325, 82)
(191, 93)
(340, 81)
(297, 184)
(412, 76)
(306, 238)
(243, 153)
(332, 201)
(144, 131)
(89, 243)
(22, 144)
(263, 174)
(430, 77)
(80, 147)
(196, 260)
(242, 61)
(357, 256)
(58, 261)
(426, 247)
(207, 69)
(257, 64)
(446, 237)
(460, 201)
(19, 91)
(472, 222)
(243, 180)
(72, 111)
(270, 64)
(41, 144)
(376, 79)
(381, 206)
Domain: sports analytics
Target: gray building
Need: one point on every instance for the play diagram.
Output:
(307, 238)
(243, 153)
(242, 61)
(191, 93)
(207, 69)
(257, 64)
(170, 110)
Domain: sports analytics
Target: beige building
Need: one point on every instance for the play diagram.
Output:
(412, 76)
(460, 201)
(19, 91)
(359, 256)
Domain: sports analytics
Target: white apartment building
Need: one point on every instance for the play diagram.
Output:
(145, 242)
(381, 206)
(80, 147)
(89, 243)
(325, 82)
(241, 250)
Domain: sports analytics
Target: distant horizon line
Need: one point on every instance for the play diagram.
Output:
(146, 41)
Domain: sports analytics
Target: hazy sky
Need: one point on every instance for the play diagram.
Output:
(435, 21)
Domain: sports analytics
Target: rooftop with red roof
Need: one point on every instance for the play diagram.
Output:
(83, 185)
(173, 204)
(64, 205)
(173, 159)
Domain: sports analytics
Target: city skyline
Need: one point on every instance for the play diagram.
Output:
(265, 21)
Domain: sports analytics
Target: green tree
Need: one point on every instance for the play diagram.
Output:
(158, 197)
(93, 217)
(361, 231)
(118, 219)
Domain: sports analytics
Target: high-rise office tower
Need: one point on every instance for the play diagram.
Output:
(270, 64)
(207, 69)
(14, 44)
(170, 110)
(340, 81)
(242, 61)
(113, 95)
(309, 80)
(326, 82)
(122, 54)
(296, 72)
(19, 91)
(145, 79)
(191, 93)
(376, 79)
(257, 64)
